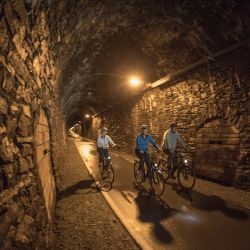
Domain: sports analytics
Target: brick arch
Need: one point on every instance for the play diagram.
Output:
(217, 150)
(222, 111)
(218, 111)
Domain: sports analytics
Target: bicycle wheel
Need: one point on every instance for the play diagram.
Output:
(157, 182)
(163, 164)
(110, 172)
(186, 177)
(102, 170)
(138, 174)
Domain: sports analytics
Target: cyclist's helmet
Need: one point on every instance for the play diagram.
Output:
(173, 125)
(104, 129)
(144, 127)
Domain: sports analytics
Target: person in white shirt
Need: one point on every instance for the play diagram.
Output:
(170, 139)
(103, 142)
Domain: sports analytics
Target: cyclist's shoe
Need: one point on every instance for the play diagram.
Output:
(141, 174)
(105, 175)
(172, 176)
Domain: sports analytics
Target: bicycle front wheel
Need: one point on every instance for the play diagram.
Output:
(110, 172)
(163, 164)
(102, 169)
(138, 173)
(186, 177)
(157, 183)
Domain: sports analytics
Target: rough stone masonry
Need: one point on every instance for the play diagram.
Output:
(61, 58)
(27, 93)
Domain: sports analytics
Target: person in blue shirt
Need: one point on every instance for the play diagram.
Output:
(141, 149)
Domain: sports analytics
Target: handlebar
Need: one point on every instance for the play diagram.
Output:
(155, 152)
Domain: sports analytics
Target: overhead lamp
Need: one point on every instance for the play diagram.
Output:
(135, 81)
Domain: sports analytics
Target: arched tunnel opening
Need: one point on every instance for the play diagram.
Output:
(68, 68)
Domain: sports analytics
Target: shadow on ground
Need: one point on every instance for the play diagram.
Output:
(153, 209)
(105, 185)
(210, 203)
(76, 188)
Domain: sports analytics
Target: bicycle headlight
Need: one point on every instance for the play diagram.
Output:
(109, 157)
(185, 161)
(156, 164)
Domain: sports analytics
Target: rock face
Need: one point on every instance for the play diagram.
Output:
(24, 220)
(3, 106)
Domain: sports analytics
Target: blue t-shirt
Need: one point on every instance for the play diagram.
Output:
(142, 144)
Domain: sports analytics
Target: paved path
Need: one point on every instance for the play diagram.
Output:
(180, 220)
(84, 220)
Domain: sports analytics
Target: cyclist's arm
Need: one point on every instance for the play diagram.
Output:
(153, 142)
(181, 141)
(111, 141)
(164, 139)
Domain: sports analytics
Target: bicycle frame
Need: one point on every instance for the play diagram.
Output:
(155, 167)
(105, 156)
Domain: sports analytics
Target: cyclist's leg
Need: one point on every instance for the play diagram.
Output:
(174, 160)
(170, 159)
(174, 164)
(148, 161)
(101, 155)
(142, 161)
(171, 162)
(167, 153)
(141, 157)
(105, 152)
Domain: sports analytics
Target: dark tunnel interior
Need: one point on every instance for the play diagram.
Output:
(81, 65)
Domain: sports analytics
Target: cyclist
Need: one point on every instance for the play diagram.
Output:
(170, 139)
(141, 150)
(103, 142)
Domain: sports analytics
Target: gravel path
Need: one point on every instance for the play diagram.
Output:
(84, 220)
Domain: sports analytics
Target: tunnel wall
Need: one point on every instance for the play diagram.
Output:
(27, 88)
(220, 90)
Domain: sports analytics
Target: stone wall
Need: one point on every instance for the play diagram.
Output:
(27, 86)
(219, 90)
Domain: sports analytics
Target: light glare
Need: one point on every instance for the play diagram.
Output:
(135, 81)
(85, 151)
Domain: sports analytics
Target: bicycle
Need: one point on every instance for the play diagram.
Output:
(155, 176)
(106, 167)
(185, 172)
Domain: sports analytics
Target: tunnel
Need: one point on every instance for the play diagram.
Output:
(88, 64)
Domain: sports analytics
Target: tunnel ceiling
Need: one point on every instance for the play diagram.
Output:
(98, 42)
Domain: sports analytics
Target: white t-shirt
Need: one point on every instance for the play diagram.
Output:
(104, 141)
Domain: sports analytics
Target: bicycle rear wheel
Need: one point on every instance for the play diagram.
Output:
(138, 173)
(186, 177)
(157, 182)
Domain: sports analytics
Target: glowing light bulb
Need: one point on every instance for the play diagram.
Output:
(135, 81)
